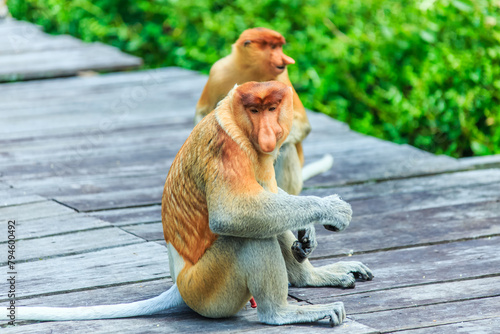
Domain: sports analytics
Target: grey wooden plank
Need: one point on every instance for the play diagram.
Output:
(130, 216)
(348, 170)
(10, 196)
(188, 322)
(70, 244)
(152, 87)
(441, 181)
(18, 42)
(60, 224)
(432, 315)
(87, 144)
(485, 326)
(114, 200)
(149, 232)
(185, 319)
(488, 161)
(53, 63)
(403, 229)
(132, 263)
(75, 86)
(426, 199)
(418, 266)
(34, 210)
(415, 296)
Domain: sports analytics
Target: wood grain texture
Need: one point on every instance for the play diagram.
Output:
(27, 53)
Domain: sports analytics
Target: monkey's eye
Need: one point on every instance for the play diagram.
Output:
(254, 111)
(272, 109)
(247, 43)
(273, 46)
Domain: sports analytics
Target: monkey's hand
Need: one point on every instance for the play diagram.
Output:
(338, 213)
(306, 244)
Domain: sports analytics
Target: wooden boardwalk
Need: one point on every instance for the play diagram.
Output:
(82, 166)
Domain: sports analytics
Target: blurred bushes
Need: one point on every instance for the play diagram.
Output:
(424, 73)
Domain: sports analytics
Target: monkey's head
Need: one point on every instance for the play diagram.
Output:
(264, 111)
(263, 48)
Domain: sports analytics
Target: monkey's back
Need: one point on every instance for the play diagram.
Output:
(184, 204)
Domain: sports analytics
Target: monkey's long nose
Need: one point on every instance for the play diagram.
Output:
(288, 60)
(267, 138)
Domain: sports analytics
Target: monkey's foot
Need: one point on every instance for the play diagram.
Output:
(342, 274)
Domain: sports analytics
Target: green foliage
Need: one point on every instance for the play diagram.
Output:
(424, 72)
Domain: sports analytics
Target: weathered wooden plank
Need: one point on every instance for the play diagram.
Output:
(418, 266)
(349, 170)
(403, 229)
(114, 200)
(478, 326)
(132, 263)
(130, 216)
(34, 210)
(75, 86)
(432, 315)
(422, 295)
(53, 63)
(15, 44)
(488, 161)
(188, 322)
(59, 224)
(150, 89)
(12, 196)
(178, 319)
(441, 181)
(426, 199)
(149, 232)
(72, 243)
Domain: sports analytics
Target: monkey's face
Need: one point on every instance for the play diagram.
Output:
(264, 49)
(264, 111)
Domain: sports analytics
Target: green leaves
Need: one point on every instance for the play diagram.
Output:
(426, 73)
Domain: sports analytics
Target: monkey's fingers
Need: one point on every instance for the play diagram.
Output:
(299, 253)
(331, 228)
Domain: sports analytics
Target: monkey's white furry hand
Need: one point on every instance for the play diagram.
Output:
(337, 215)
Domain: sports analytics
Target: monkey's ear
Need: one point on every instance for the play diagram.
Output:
(247, 42)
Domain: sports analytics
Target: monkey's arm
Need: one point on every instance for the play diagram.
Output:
(263, 214)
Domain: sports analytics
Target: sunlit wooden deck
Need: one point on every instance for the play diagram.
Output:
(82, 166)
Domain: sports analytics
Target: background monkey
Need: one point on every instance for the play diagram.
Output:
(258, 55)
(227, 224)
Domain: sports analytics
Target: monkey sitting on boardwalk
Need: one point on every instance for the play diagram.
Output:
(258, 55)
(227, 224)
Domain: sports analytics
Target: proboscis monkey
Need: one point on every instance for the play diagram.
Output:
(258, 55)
(227, 224)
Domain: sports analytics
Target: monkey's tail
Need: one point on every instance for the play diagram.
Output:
(166, 300)
(317, 167)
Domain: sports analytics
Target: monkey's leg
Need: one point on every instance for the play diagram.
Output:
(342, 274)
(215, 286)
(268, 283)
